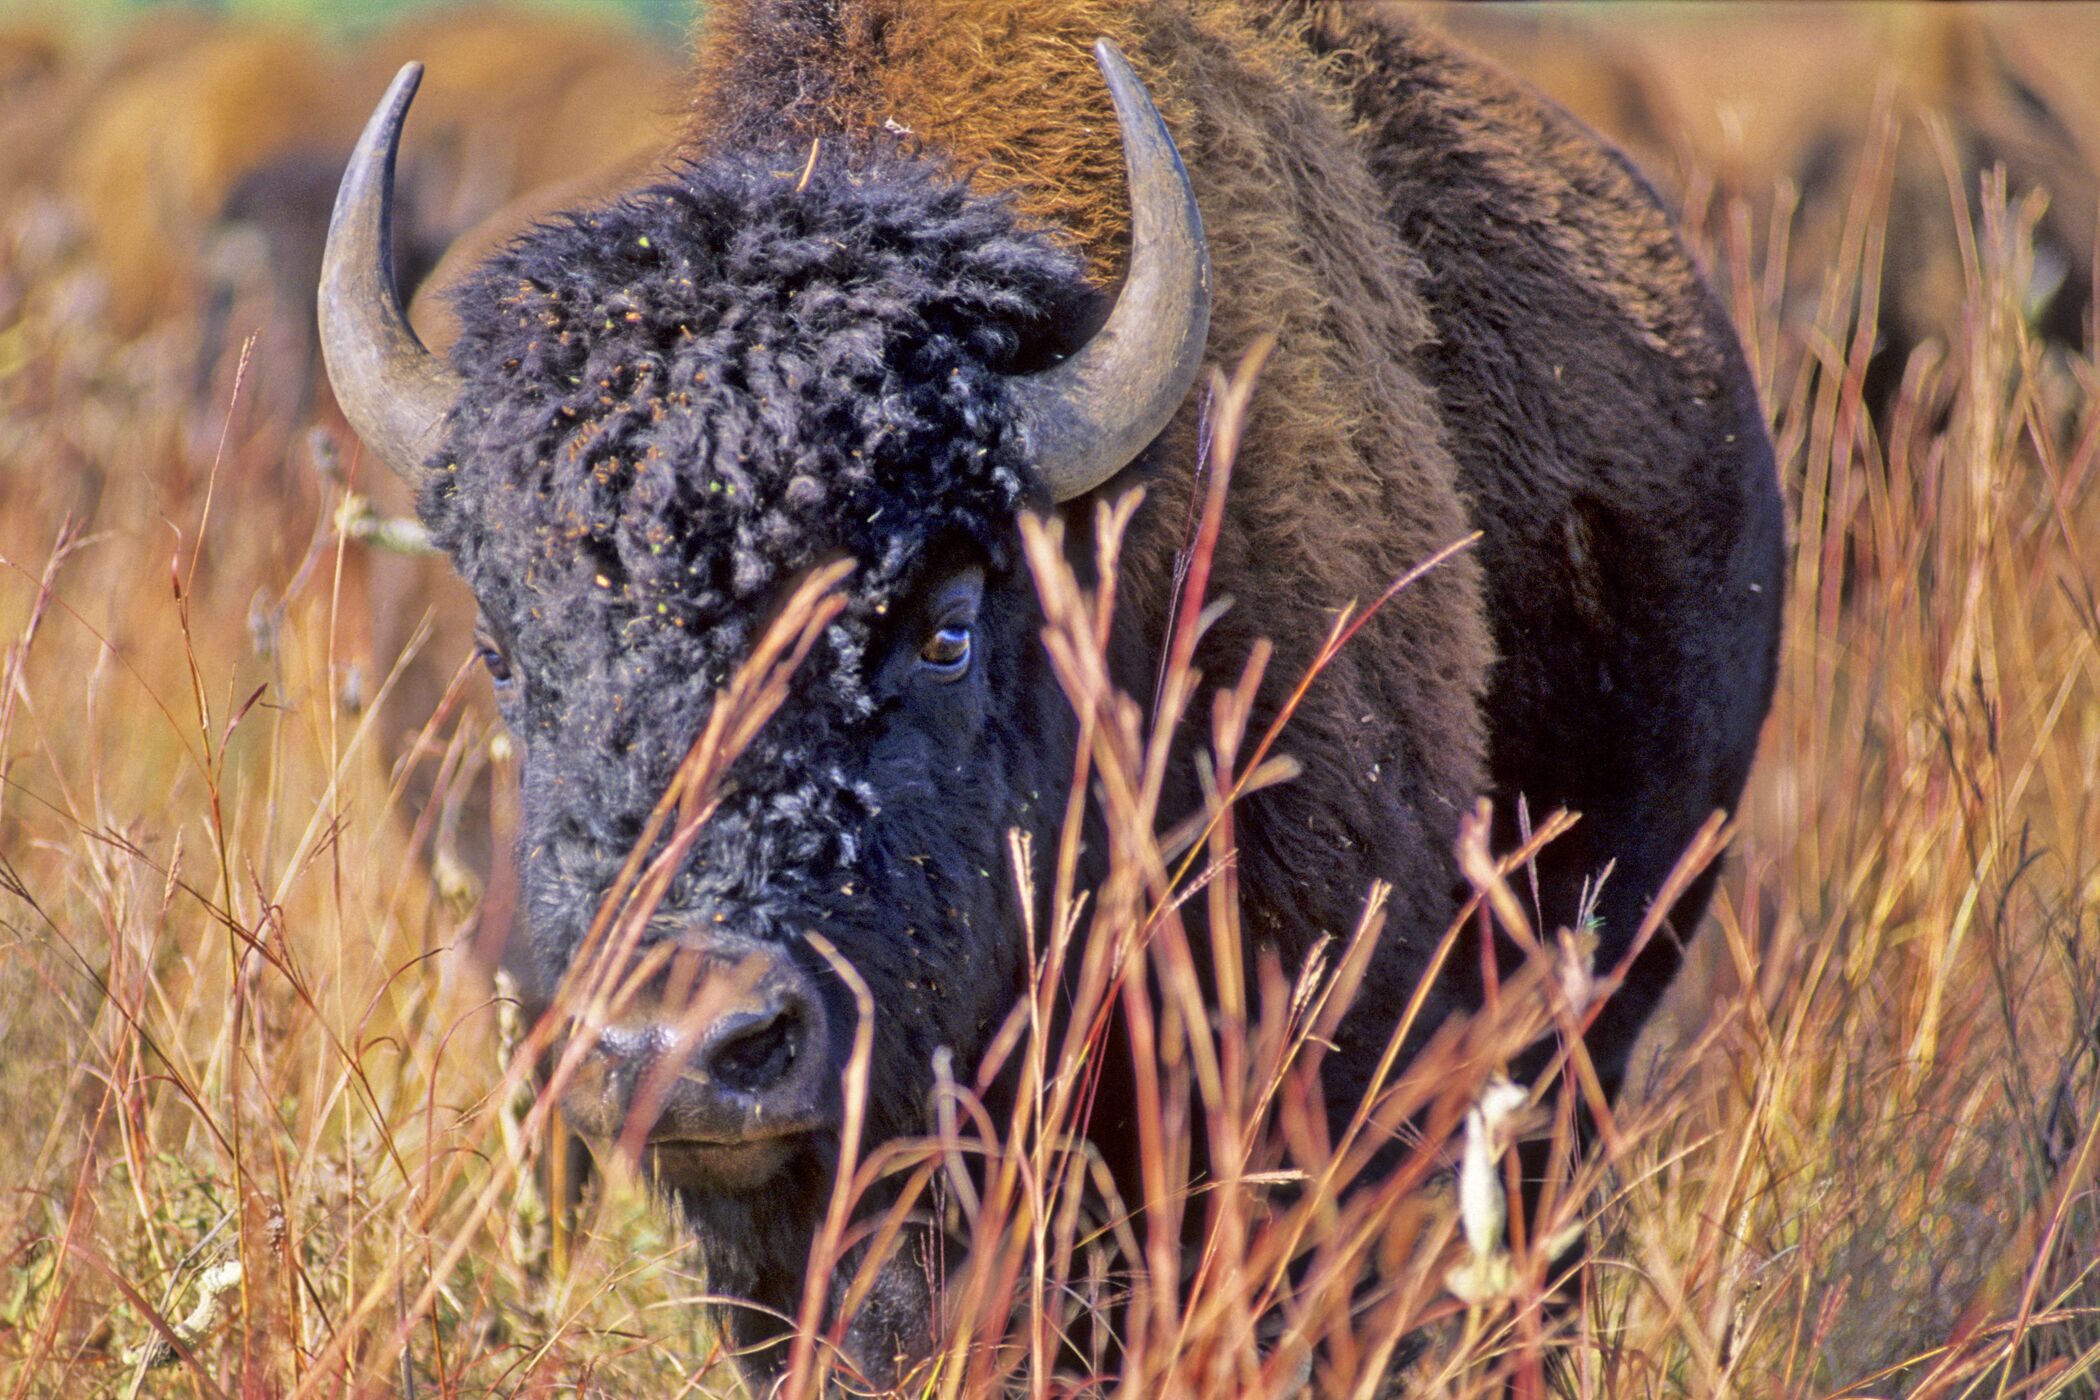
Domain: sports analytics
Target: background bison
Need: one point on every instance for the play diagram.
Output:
(1909, 106)
(265, 1141)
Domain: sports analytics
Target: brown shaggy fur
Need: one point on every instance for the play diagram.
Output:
(993, 85)
(1611, 448)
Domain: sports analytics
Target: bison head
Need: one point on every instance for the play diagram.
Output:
(659, 416)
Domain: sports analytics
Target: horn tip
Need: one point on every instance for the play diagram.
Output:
(1125, 88)
(402, 90)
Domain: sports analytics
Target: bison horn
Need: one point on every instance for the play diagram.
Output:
(1088, 416)
(394, 392)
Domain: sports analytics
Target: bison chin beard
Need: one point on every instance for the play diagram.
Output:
(754, 1247)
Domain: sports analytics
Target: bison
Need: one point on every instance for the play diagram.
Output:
(918, 274)
(1709, 102)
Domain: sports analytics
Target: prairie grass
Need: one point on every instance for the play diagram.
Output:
(239, 1023)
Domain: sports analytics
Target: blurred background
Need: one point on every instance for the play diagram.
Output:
(342, 16)
(167, 161)
(234, 699)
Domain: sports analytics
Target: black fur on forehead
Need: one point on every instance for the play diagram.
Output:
(677, 404)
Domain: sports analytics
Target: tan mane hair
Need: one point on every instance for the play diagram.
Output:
(991, 84)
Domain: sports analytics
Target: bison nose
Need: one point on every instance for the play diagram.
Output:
(755, 1053)
(719, 1071)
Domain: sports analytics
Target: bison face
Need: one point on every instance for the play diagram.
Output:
(659, 417)
(670, 412)
(873, 810)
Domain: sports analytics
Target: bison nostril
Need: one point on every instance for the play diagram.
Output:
(757, 1057)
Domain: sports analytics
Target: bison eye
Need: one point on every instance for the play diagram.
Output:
(495, 661)
(947, 652)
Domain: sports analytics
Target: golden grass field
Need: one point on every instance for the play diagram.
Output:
(243, 759)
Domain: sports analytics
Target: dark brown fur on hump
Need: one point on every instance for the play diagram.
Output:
(1343, 483)
(1611, 447)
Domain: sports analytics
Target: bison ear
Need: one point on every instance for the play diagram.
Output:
(394, 392)
(1089, 416)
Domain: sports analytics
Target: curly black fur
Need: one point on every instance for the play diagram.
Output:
(751, 376)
